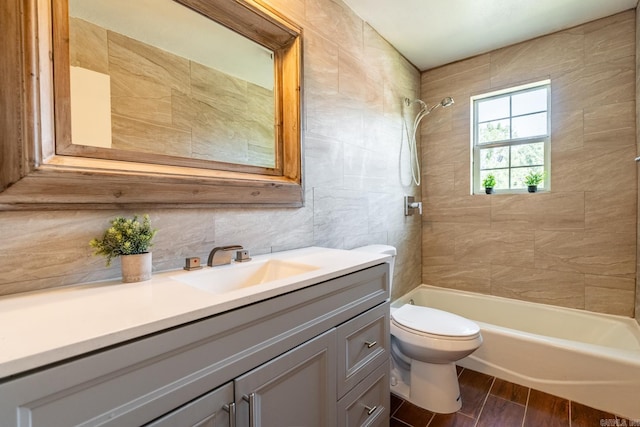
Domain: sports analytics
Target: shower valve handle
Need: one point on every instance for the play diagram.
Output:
(416, 205)
(410, 205)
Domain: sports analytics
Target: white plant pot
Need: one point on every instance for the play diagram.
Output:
(136, 268)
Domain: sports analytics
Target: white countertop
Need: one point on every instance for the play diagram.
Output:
(44, 327)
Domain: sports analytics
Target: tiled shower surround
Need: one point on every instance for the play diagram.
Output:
(576, 245)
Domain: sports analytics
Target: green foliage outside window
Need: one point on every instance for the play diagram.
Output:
(511, 137)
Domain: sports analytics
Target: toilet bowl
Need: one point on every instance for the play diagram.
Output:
(426, 343)
(432, 341)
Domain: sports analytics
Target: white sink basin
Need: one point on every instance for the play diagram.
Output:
(236, 276)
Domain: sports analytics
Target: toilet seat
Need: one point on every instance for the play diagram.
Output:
(431, 322)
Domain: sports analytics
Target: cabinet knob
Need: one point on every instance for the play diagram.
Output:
(370, 409)
(370, 344)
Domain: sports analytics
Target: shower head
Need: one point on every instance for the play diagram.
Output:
(424, 111)
(447, 101)
(424, 107)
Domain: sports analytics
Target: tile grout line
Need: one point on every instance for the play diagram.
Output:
(431, 419)
(403, 423)
(484, 402)
(399, 406)
(476, 420)
(526, 406)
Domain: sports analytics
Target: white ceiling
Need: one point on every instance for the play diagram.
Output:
(430, 33)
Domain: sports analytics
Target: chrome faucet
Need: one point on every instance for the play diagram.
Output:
(221, 255)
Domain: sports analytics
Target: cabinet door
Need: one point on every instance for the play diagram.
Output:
(297, 388)
(211, 410)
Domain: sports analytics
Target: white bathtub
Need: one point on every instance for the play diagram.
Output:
(591, 358)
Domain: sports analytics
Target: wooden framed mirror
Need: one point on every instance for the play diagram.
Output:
(45, 167)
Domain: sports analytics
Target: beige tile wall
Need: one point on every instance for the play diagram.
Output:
(163, 103)
(638, 153)
(573, 247)
(354, 86)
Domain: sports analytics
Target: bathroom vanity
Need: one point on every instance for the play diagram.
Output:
(310, 349)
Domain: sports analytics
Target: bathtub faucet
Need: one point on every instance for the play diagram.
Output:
(221, 255)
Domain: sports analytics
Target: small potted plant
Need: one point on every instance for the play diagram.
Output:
(488, 183)
(532, 180)
(129, 238)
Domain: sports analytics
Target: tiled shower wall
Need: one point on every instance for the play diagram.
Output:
(354, 86)
(576, 245)
(638, 153)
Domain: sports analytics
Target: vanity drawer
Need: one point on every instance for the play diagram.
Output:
(363, 343)
(368, 403)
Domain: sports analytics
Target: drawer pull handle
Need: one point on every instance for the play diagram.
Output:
(231, 409)
(251, 399)
(370, 410)
(370, 344)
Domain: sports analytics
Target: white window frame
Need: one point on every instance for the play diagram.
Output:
(476, 184)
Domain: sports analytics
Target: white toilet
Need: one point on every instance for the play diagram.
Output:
(425, 344)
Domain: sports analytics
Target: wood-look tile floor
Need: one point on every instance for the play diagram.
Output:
(492, 402)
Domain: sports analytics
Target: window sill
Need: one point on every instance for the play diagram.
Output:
(511, 192)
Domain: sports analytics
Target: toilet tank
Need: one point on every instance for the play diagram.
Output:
(384, 250)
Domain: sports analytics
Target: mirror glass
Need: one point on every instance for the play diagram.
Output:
(153, 76)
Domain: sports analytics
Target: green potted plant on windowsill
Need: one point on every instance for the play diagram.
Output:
(533, 179)
(130, 239)
(488, 183)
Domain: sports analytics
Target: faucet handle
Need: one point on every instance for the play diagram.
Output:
(242, 255)
(192, 263)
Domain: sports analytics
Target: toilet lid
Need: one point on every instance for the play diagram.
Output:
(434, 321)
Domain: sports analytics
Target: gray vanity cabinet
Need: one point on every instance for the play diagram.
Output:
(276, 361)
(295, 389)
(363, 369)
(210, 410)
(299, 387)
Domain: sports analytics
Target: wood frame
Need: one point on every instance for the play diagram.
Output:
(34, 96)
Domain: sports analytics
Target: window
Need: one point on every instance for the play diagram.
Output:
(510, 138)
